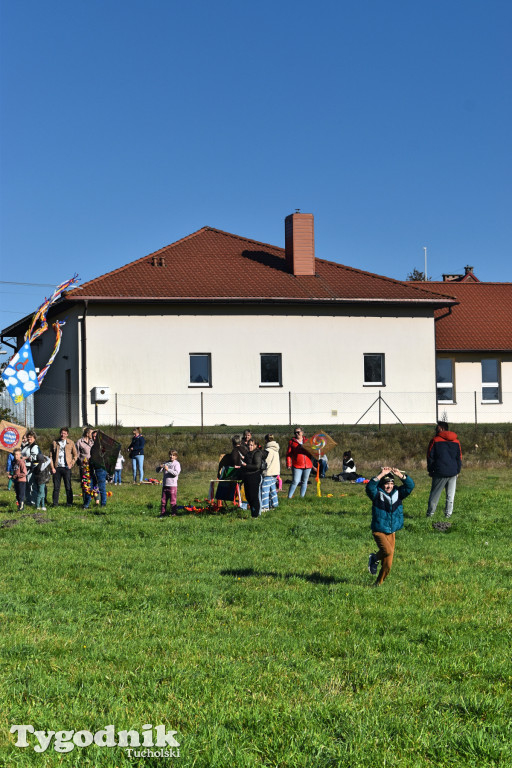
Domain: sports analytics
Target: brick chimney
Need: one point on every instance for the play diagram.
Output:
(299, 239)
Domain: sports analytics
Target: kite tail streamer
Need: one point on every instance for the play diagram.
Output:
(318, 489)
(87, 486)
(40, 315)
(57, 327)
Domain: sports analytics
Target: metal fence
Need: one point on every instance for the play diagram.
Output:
(52, 408)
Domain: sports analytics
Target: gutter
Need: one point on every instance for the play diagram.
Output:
(260, 300)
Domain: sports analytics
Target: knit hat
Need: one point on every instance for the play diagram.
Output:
(389, 478)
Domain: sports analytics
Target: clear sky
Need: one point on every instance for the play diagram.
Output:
(127, 124)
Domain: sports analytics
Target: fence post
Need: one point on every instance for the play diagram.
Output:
(476, 417)
(202, 412)
(289, 408)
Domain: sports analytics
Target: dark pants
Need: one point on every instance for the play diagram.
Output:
(19, 489)
(252, 492)
(62, 473)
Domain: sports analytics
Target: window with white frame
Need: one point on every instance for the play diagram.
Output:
(444, 379)
(491, 381)
(270, 370)
(200, 369)
(374, 369)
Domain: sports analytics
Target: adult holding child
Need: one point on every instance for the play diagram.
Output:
(387, 516)
(300, 461)
(136, 454)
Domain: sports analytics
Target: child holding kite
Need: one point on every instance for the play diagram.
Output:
(171, 470)
(387, 516)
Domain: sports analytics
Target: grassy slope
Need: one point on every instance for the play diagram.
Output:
(260, 641)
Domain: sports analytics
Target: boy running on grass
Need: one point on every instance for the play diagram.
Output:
(387, 516)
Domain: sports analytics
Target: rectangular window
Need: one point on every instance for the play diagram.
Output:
(444, 378)
(490, 381)
(270, 370)
(374, 370)
(200, 370)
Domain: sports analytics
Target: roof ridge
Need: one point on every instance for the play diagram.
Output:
(381, 277)
(164, 248)
(245, 239)
(137, 261)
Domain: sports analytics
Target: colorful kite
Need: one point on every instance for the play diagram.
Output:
(20, 377)
(320, 443)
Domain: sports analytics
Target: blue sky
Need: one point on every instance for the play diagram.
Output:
(127, 125)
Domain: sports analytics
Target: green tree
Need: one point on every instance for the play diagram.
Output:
(416, 274)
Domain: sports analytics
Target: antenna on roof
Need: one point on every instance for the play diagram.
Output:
(425, 275)
(297, 210)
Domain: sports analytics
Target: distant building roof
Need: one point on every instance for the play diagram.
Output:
(481, 321)
(467, 277)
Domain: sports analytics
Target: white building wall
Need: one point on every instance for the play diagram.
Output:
(144, 358)
(468, 405)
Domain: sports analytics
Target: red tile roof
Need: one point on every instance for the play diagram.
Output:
(213, 265)
(481, 321)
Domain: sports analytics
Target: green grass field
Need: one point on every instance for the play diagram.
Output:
(260, 641)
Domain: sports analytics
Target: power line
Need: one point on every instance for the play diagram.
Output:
(37, 285)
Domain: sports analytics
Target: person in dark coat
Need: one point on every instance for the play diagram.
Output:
(444, 462)
(252, 476)
(234, 458)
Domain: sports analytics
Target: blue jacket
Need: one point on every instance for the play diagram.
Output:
(136, 447)
(387, 510)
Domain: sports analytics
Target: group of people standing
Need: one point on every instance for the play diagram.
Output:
(29, 469)
(258, 466)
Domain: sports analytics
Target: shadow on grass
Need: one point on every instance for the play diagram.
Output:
(313, 578)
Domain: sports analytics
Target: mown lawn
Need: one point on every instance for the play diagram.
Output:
(260, 641)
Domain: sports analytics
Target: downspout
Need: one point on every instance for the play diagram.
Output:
(448, 312)
(83, 343)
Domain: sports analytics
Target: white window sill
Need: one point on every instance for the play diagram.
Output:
(266, 384)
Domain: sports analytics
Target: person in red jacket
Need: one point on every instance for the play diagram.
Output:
(299, 461)
(444, 462)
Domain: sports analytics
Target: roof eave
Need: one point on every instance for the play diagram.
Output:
(267, 299)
